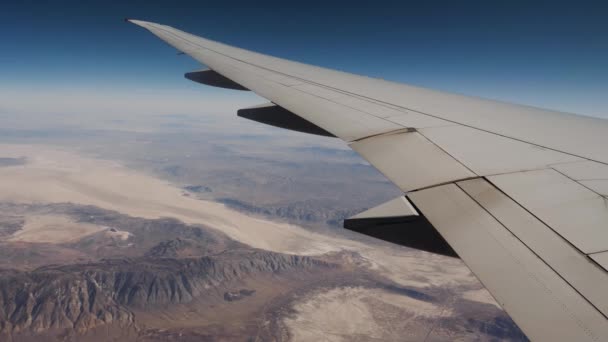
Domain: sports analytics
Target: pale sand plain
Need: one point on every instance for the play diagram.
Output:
(53, 229)
(355, 313)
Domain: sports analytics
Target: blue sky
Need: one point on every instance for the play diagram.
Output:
(550, 54)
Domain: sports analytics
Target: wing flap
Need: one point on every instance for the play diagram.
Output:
(541, 302)
(573, 266)
(398, 207)
(571, 210)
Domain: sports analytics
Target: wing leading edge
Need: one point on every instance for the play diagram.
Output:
(519, 193)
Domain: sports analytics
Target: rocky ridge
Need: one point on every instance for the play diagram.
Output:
(84, 296)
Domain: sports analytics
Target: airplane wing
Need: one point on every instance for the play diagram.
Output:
(520, 194)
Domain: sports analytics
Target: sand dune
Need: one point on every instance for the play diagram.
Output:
(53, 229)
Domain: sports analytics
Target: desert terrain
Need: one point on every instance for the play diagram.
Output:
(92, 221)
(170, 227)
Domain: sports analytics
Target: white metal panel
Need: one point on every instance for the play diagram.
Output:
(592, 175)
(284, 80)
(365, 105)
(410, 161)
(487, 154)
(344, 122)
(318, 91)
(399, 206)
(573, 211)
(601, 259)
(417, 120)
(575, 134)
(406, 118)
(600, 186)
(399, 116)
(580, 272)
(376, 109)
(584, 170)
(545, 306)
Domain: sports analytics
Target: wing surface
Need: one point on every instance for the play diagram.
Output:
(519, 193)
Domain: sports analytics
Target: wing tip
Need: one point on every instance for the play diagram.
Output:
(136, 22)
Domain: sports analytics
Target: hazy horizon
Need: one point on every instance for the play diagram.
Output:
(546, 55)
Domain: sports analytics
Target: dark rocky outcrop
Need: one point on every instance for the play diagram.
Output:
(10, 224)
(179, 247)
(232, 296)
(198, 188)
(6, 161)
